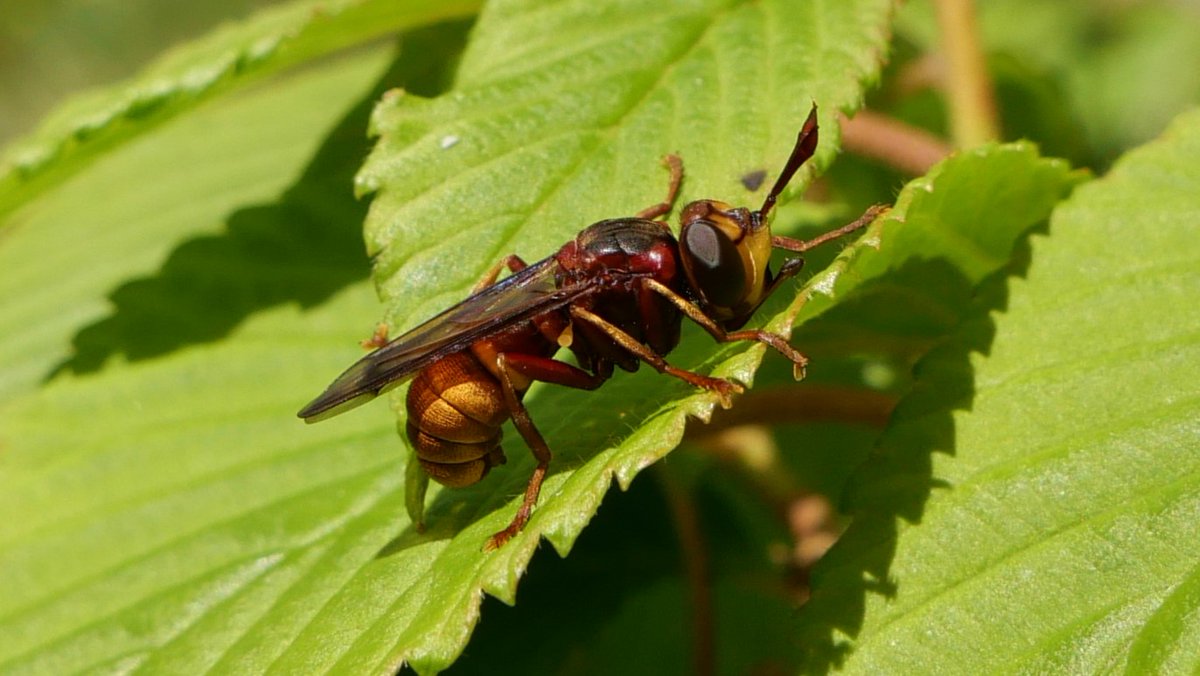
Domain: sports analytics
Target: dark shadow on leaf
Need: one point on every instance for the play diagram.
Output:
(566, 603)
(626, 584)
(897, 479)
(301, 249)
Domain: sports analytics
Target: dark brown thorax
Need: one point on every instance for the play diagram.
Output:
(616, 255)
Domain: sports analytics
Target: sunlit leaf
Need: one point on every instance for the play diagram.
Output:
(164, 242)
(1033, 506)
(274, 39)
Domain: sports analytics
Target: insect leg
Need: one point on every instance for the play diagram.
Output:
(513, 262)
(549, 370)
(774, 340)
(724, 389)
(675, 164)
(537, 444)
(868, 217)
(377, 339)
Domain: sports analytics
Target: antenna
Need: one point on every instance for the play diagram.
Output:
(806, 145)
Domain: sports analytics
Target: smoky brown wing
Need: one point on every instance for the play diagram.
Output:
(516, 298)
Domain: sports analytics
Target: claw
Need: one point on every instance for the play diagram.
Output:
(377, 339)
(725, 390)
(498, 540)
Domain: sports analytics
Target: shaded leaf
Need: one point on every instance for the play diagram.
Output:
(272, 40)
(1046, 476)
(138, 256)
(152, 510)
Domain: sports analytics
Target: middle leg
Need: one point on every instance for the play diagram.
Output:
(547, 370)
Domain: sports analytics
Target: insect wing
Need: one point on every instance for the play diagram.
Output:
(516, 298)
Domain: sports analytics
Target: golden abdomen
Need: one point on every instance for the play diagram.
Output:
(455, 410)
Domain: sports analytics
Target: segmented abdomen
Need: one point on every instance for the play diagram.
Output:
(455, 410)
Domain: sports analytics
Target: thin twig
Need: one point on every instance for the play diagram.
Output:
(909, 149)
(811, 403)
(973, 118)
(695, 565)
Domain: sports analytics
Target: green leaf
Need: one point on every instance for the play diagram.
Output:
(633, 606)
(268, 43)
(627, 600)
(163, 243)
(154, 507)
(132, 498)
(162, 508)
(54, 50)
(1045, 464)
(558, 119)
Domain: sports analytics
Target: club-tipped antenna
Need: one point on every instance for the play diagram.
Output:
(806, 145)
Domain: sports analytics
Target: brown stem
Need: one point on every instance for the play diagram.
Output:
(810, 403)
(973, 118)
(909, 149)
(695, 565)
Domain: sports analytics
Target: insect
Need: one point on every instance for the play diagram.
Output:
(615, 296)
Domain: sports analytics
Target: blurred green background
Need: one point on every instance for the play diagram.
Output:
(50, 49)
(1114, 71)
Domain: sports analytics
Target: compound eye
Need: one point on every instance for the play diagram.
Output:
(713, 263)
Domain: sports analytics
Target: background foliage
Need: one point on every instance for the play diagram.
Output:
(1005, 419)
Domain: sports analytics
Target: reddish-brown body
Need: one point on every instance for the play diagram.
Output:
(619, 256)
(456, 406)
(455, 410)
(615, 295)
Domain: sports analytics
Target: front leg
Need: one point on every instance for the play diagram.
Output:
(724, 389)
(774, 340)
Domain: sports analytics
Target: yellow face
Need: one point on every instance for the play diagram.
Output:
(725, 253)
